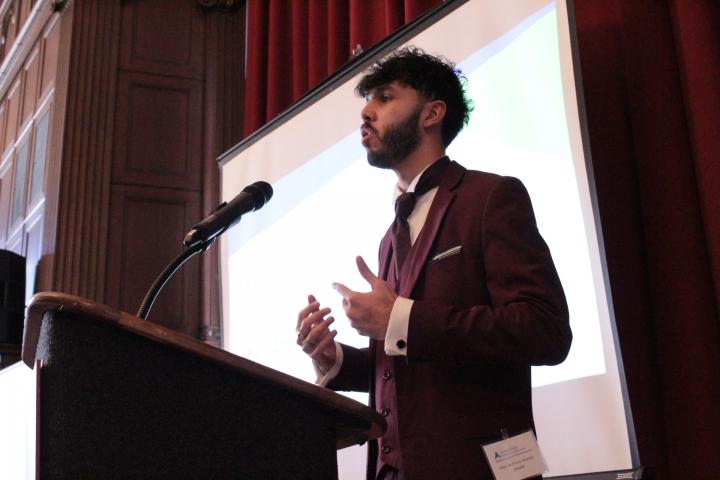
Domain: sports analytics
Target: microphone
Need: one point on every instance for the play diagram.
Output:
(228, 214)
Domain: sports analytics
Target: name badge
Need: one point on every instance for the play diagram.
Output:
(515, 458)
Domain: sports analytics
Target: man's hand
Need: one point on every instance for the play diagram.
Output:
(369, 312)
(314, 334)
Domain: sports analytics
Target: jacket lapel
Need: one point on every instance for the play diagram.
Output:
(420, 251)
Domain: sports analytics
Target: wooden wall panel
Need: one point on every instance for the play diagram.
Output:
(146, 233)
(41, 133)
(16, 207)
(159, 131)
(24, 8)
(12, 102)
(23, 141)
(31, 74)
(33, 249)
(19, 193)
(5, 188)
(14, 14)
(166, 37)
(168, 134)
(3, 127)
(11, 20)
(55, 87)
(14, 243)
(50, 46)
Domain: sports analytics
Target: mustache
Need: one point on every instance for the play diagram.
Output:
(367, 126)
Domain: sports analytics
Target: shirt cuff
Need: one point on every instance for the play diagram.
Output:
(322, 379)
(397, 332)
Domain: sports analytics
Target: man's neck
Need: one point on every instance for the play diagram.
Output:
(415, 163)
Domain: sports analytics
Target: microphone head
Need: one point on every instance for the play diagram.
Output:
(261, 192)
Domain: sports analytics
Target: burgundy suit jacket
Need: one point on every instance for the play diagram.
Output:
(483, 313)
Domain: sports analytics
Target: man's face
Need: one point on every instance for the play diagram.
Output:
(391, 128)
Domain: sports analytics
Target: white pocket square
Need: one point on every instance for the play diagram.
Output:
(447, 253)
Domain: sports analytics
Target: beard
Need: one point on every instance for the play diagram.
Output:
(398, 141)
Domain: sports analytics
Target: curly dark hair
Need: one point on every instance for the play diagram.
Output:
(435, 78)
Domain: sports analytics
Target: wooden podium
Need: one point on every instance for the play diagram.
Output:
(120, 397)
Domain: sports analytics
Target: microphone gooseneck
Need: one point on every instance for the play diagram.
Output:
(203, 234)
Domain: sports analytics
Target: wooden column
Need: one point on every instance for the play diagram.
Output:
(83, 206)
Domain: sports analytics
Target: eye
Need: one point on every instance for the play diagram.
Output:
(384, 98)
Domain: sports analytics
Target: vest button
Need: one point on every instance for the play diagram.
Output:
(384, 412)
(386, 374)
(385, 449)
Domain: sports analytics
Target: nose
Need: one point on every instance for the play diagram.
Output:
(367, 114)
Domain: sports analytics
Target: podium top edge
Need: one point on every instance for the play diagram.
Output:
(48, 302)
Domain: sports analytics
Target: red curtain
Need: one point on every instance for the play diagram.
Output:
(651, 79)
(294, 44)
(651, 74)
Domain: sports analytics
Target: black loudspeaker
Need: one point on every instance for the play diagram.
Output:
(12, 297)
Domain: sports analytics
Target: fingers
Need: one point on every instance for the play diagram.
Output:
(326, 342)
(342, 290)
(311, 321)
(318, 331)
(318, 335)
(365, 271)
(314, 334)
(313, 306)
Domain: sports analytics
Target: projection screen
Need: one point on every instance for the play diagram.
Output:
(330, 206)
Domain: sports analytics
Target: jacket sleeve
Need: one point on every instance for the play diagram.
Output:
(525, 320)
(354, 374)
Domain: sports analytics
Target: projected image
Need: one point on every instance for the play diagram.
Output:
(335, 207)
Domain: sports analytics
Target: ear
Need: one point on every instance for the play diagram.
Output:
(434, 113)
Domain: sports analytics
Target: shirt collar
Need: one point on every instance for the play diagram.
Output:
(411, 188)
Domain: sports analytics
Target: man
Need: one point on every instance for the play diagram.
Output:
(467, 296)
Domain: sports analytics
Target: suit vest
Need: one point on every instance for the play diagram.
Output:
(384, 395)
